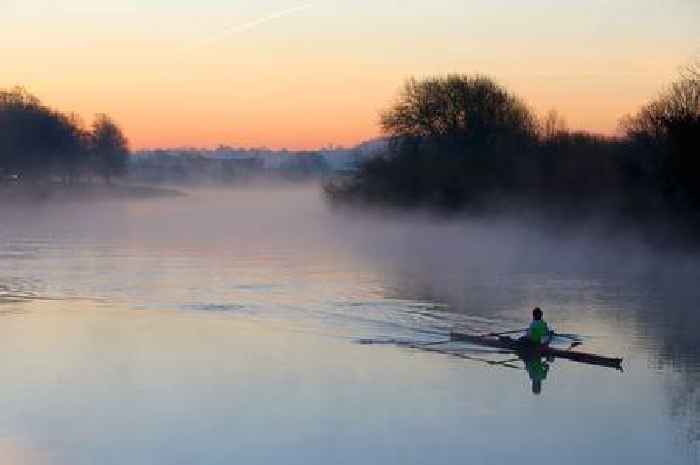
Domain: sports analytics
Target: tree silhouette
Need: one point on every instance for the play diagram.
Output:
(35, 141)
(454, 139)
(458, 109)
(667, 129)
(109, 147)
(552, 125)
(39, 145)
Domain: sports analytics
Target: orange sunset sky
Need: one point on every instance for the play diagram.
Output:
(305, 74)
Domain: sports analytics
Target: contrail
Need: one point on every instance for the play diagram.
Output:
(250, 25)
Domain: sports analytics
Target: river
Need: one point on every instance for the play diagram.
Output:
(259, 326)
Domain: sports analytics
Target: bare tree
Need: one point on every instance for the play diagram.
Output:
(109, 147)
(676, 107)
(692, 70)
(552, 125)
(36, 141)
(668, 128)
(463, 108)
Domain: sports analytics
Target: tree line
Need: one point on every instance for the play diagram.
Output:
(464, 141)
(40, 145)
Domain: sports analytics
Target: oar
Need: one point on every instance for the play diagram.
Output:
(505, 332)
(573, 337)
(505, 363)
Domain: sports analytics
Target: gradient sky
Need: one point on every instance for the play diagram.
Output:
(297, 74)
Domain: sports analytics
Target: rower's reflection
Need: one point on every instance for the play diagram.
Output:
(537, 368)
(535, 363)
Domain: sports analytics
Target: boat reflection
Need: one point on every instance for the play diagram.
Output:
(534, 363)
(536, 366)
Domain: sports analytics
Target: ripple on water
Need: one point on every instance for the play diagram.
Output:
(221, 308)
(13, 290)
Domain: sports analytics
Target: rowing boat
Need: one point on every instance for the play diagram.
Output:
(526, 349)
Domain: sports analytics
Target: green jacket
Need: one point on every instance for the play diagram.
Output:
(538, 332)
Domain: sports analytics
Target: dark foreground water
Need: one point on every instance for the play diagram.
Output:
(259, 327)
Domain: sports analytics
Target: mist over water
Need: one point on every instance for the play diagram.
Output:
(253, 289)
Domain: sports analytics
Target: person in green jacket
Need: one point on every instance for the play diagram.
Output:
(538, 332)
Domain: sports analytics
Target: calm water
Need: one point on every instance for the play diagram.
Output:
(259, 327)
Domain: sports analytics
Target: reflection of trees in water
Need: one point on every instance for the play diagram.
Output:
(672, 321)
(684, 402)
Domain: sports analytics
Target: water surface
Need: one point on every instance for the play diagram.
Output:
(233, 327)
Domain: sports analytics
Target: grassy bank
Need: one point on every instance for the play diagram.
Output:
(82, 192)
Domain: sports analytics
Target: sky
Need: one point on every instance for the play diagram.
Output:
(302, 75)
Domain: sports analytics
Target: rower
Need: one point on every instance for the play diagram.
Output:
(538, 332)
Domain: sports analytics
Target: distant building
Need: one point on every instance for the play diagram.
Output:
(305, 163)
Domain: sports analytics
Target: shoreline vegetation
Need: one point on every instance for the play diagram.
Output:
(454, 144)
(40, 145)
(46, 154)
(464, 143)
(81, 192)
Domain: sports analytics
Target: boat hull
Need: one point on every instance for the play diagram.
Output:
(527, 349)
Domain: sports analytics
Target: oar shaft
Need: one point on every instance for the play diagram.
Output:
(507, 332)
(573, 337)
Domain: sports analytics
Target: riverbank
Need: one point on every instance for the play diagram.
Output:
(83, 192)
